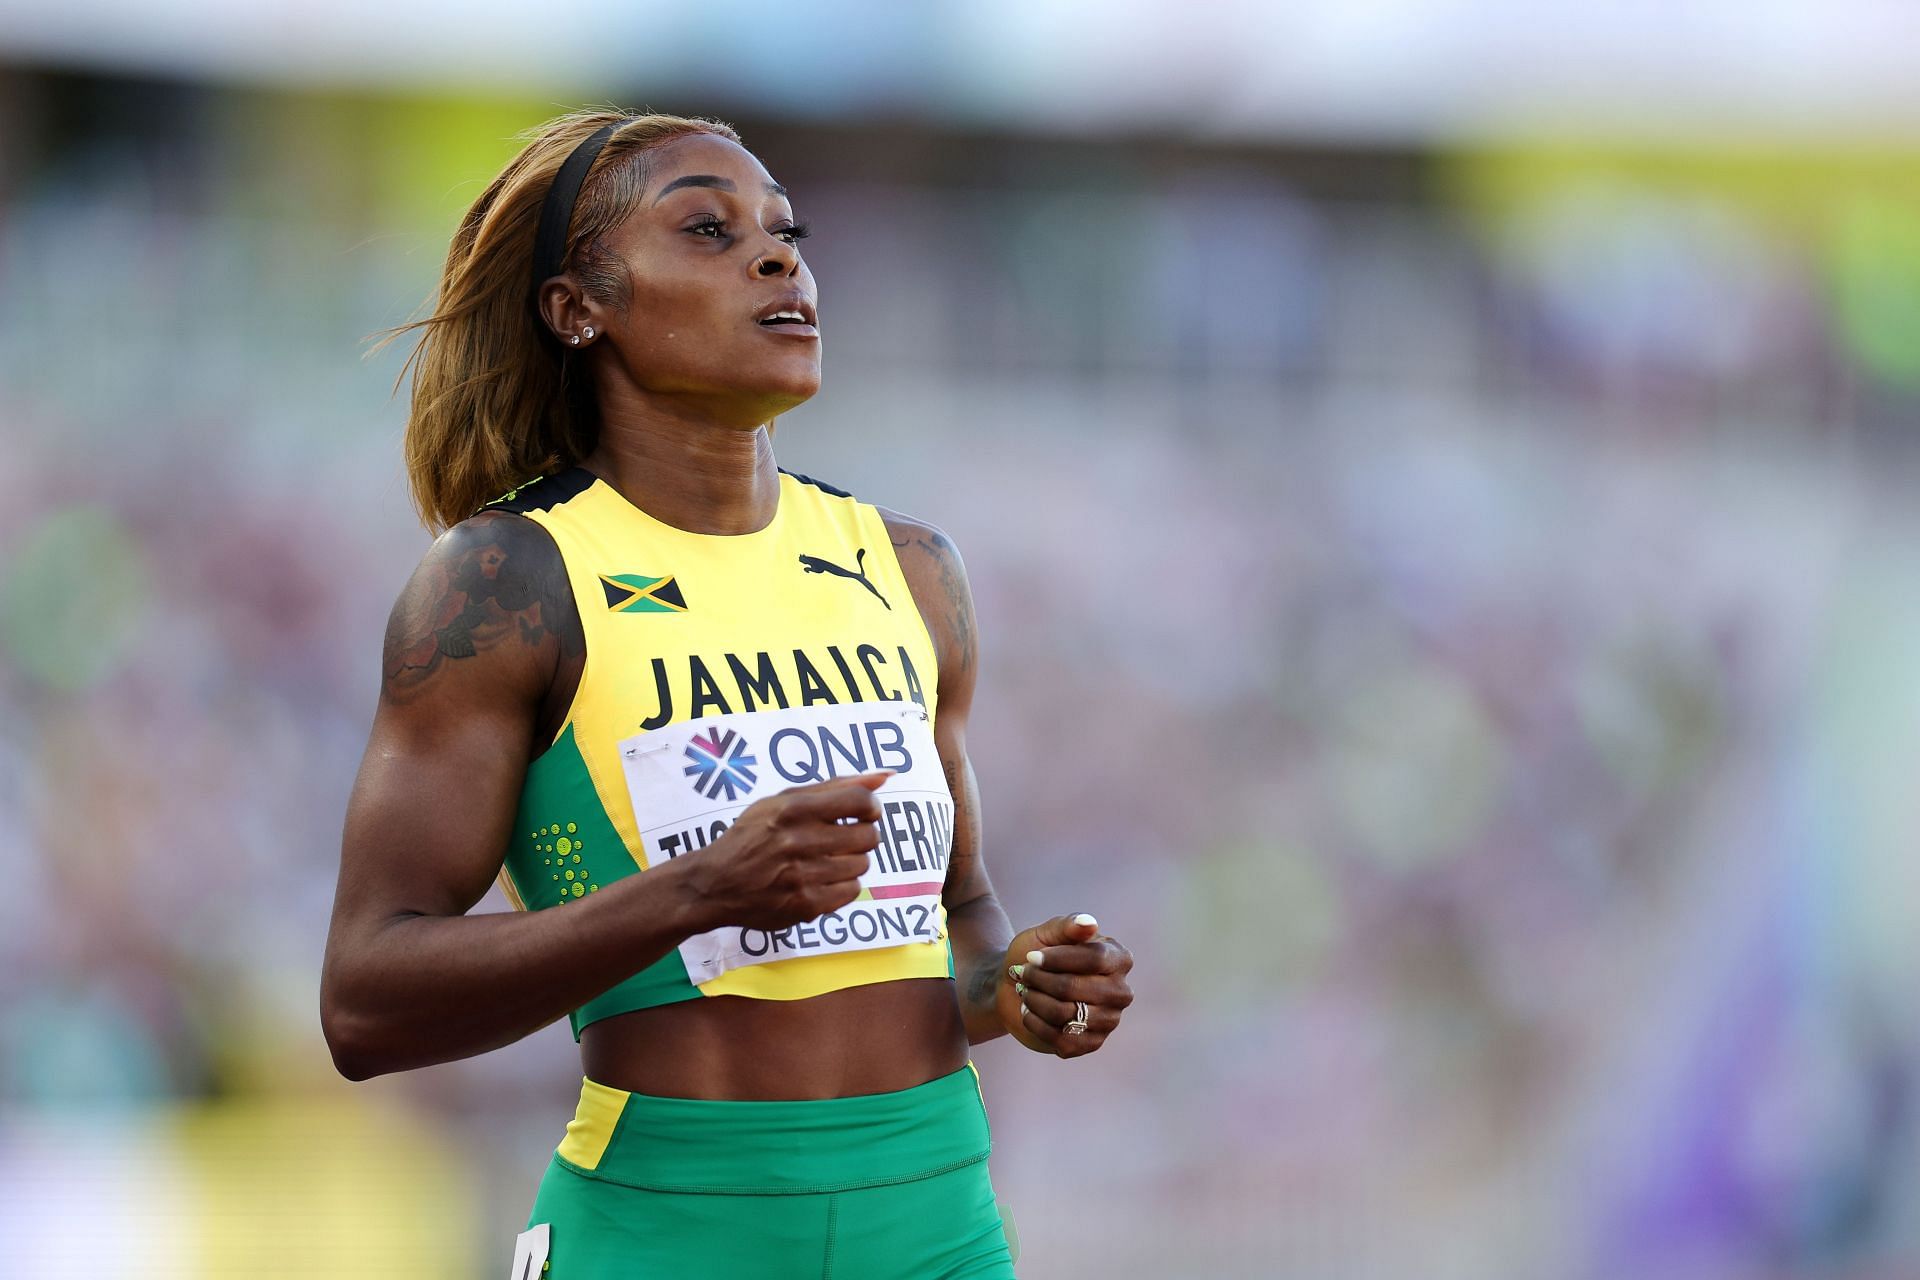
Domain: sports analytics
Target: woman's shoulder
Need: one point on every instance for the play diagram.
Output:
(503, 543)
(498, 543)
(935, 574)
(494, 582)
(914, 536)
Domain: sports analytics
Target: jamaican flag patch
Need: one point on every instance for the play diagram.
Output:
(637, 593)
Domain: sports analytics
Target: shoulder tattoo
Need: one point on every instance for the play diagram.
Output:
(939, 548)
(492, 580)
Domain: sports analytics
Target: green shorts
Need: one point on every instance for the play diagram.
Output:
(890, 1186)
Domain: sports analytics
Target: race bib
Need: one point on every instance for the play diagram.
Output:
(690, 781)
(530, 1253)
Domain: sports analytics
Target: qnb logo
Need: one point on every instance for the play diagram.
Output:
(720, 764)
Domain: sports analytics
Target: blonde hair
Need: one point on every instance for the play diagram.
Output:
(496, 399)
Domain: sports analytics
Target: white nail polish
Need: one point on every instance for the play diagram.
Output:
(1084, 918)
(1037, 960)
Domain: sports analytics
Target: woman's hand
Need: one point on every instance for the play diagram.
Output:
(790, 857)
(1053, 968)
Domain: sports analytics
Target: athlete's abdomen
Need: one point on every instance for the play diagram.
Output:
(861, 1040)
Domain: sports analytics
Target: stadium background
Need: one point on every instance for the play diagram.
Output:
(1437, 480)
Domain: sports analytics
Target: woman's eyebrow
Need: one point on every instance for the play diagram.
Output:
(713, 180)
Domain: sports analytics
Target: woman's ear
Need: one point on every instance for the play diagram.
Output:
(565, 310)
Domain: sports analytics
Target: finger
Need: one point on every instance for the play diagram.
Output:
(827, 838)
(1055, 1013)
(872, 780)
(834, 801)
(1056, 1040)
(1039, 1028)
(1058, 1013)
(837, 867)
(1103, 955)
(1103, 988)
(1066, 929)
(831, 803)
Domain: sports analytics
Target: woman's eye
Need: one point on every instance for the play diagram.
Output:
(714, 229)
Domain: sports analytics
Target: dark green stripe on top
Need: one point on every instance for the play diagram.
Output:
(563, 850)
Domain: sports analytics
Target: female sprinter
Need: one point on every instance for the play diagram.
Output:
(706, 720)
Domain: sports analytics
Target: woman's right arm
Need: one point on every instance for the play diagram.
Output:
(472, 652)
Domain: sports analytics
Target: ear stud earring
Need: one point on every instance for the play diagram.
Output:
(575, 339)
(589, 331)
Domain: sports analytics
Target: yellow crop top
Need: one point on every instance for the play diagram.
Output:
(720, 669)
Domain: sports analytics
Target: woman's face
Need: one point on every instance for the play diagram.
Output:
(711, 256)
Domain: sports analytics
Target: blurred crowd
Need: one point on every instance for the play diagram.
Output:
(1453, 615)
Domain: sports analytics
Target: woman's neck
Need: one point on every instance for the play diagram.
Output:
(697, 476)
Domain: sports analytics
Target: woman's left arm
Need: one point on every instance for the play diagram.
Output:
(1029, 983)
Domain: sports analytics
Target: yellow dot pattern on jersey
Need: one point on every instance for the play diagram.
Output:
(562, 853)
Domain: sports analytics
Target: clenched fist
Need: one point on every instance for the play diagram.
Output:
(790, 857)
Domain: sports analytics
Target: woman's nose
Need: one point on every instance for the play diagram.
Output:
(779, 259)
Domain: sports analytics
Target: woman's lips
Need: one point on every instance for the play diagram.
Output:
(791, 329)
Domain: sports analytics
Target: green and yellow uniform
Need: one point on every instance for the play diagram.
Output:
(720, 669)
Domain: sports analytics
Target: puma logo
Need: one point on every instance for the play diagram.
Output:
(814, 564)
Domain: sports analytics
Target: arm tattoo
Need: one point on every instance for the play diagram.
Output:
(966, 817)
(979, 985)
(495, 579)
(941, 550)
(984, 982)
(960, 863)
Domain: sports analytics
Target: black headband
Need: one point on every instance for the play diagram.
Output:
(556, 213)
